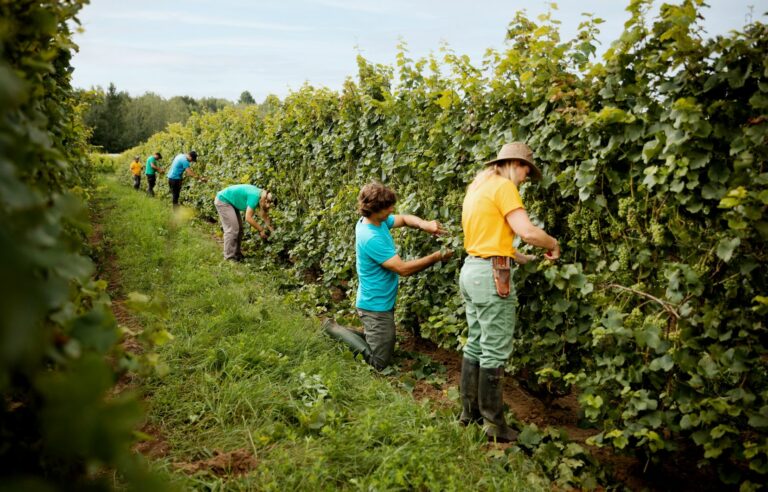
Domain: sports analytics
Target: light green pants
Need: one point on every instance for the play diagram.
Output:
(491, 319)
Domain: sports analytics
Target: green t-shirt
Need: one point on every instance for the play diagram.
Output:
(151, 161)
(241, 196)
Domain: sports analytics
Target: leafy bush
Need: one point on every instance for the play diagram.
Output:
(58, 428)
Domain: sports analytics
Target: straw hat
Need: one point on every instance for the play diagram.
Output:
(518, 151)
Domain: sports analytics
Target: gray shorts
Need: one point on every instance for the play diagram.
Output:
(379, 327)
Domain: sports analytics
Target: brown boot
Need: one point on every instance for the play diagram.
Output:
(492, 405)
(470, 407)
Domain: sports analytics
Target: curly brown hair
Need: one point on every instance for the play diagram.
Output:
(374, 197)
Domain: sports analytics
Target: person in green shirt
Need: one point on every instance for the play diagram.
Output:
(242, 198)
(153, 167)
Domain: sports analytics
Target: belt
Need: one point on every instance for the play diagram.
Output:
(501, 267)
(487, 259)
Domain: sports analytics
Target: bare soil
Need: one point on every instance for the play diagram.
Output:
(237, 462)
(155, 447)
(106, 269)
(680, 473)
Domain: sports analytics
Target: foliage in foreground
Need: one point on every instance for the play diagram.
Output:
(655, 182)
(59, 429)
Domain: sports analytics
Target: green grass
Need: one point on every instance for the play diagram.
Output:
(249, 371)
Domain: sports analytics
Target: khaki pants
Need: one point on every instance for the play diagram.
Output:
(491, 319)
(232, 224)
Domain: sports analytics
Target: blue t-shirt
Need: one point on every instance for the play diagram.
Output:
(377, 289)
(179, 165)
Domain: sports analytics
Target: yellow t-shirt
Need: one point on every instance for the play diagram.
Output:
(136, 168)
(486, 232)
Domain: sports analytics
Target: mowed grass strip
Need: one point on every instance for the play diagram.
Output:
(251, 374)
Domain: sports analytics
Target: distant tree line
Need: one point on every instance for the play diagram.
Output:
(119, 121)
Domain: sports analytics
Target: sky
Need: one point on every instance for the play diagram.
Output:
(204, 48)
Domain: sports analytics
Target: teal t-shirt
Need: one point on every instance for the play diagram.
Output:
(377, 289)
(150, 170)
(179, 165)
(241, 196)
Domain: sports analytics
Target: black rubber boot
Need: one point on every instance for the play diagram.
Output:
(470, 407)
(492, 405)
(354, 340)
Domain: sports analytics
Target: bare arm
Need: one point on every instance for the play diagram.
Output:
(249, 212)
(406, 268)
(430, 226)
(522, 259)
(193, 174)
(521, 225)
(265, 217)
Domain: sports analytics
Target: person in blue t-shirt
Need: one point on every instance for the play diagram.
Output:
(379, 267)
(242, 198)
(179, 167)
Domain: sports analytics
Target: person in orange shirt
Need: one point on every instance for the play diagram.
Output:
(492, 216)
(136, 171)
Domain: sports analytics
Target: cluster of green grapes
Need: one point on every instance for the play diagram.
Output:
(628, 211)
(594, 229)
(624, 205)
(550, 218)
(573, 221)
(614, 228)
(583, 225)
(657, 233)
(658, 321)
(624, 256)
(731, 286)
(634, 320)
(538, 212)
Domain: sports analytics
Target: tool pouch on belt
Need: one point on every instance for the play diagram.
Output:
(501, 274)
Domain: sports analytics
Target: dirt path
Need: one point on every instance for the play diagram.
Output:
(106, 269)
(154, 444)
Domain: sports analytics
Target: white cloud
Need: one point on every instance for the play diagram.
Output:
(198, 20)
(390, 8)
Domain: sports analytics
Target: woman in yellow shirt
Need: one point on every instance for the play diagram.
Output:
(492, 215)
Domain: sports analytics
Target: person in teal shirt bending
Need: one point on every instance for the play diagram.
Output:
(153, 167)
(242, 198)
(379, 267)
